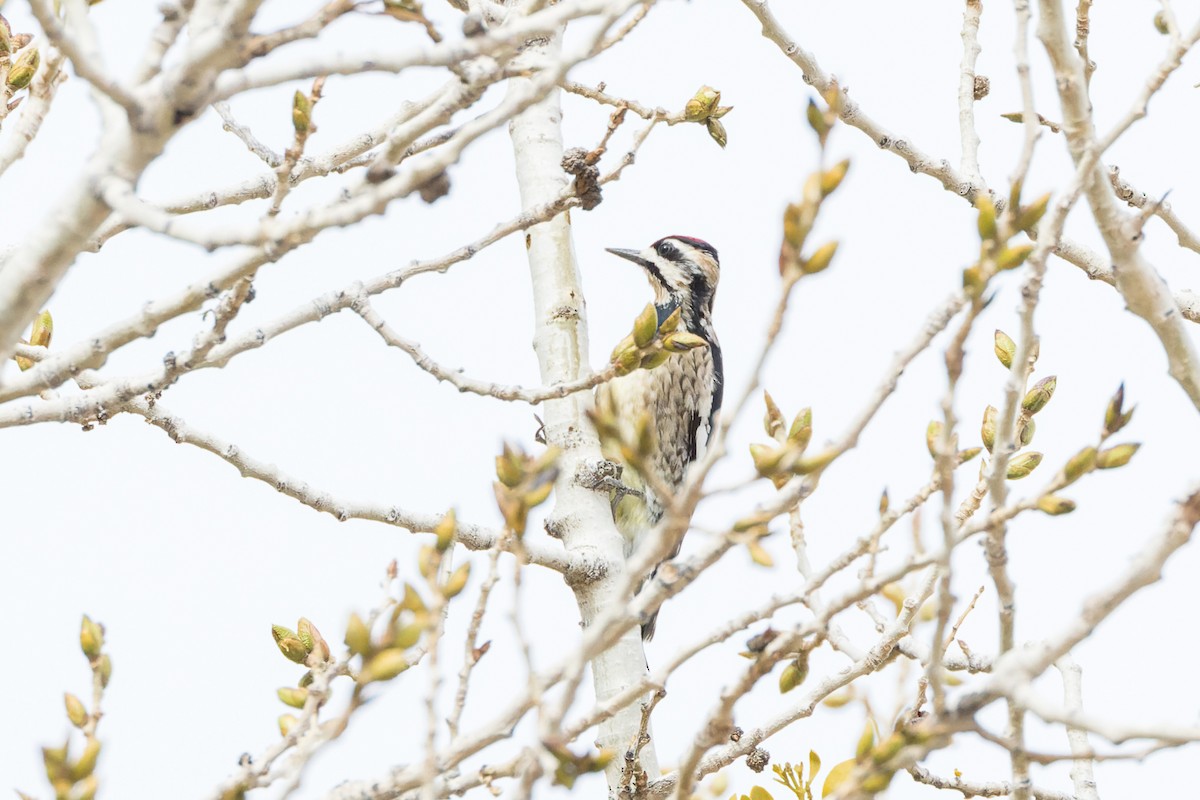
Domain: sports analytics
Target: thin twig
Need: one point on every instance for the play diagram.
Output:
(967, 90)
(269, 156)
(473, 536)
(1083, 28)
(950, 637)
(1081, 768)
(77, 41)
(362, 306)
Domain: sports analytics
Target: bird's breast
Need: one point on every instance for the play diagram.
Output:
(678, 396)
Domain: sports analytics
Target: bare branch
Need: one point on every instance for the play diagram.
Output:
(472, 536)
(852, 114)
(974, 789)
(77, 41)
(269, 156)
(1160, 208)
(1081, 768)
(1137, 280)
(969, 92)
(362, 306)
(1013, 671)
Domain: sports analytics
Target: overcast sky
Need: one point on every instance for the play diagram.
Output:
(188, 565)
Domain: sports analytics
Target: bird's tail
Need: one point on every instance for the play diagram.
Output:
(649, 625)
(652, 620)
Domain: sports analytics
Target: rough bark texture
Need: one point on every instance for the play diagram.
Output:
(582, 515)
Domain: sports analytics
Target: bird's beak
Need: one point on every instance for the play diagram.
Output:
(629, 255)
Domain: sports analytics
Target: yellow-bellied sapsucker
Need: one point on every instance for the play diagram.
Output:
(682, 396)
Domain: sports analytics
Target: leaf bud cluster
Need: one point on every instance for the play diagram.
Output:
(651, 343)
(523, 483)
(787, 457)
(705, 108)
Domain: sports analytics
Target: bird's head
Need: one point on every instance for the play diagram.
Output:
(682, 271)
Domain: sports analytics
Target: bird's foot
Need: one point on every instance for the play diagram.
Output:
(619, 492)
(605, 476)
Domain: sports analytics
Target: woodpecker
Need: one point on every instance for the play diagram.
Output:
(682, 396)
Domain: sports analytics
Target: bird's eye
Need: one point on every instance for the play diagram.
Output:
(668, 251)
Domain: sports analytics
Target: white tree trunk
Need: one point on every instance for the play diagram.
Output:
(581, 516)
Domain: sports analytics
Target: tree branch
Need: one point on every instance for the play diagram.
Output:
(474, 537)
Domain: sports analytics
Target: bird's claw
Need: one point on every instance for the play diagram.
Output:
(618, 490)
(605, 476)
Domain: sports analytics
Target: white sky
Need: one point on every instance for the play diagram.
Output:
(188, 565)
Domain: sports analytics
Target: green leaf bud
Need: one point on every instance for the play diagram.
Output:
(702, 105)
(671, 323)
(832, 178)
(86, 764)
(384, 666)
(1025, 430)
(766, 458)
(817, 121)
(76, 711)
(1115, 418)
(987, 217)
(656, 359)
(42, 331)
(794, 674)
(301, 112)
(866, 740)
(1054, 505)
(759, 554)
(773, 421)
(286, 723)
(800, 434)
(814, 462)
(293, 649)
(444, 530)
(966, 455)
(1079, 464)
(91, 637)
(682, 341)
(1031, 214)
(304, 632)
(508, 468)
(717, 131)
(104, 670)
(987, 431)
(888, 748)
(1006, 348)
(408, 635)
(645, 326)
(933, 437)
(819, 260)
(458, 579)
(358, 635)
(876, 782)
(626, 361)
(974, 281)
(292, 696)
(1115, 457)
(21, 73)
(412, 600)
(1013, 257)
(1023, 465)
(1037, 397)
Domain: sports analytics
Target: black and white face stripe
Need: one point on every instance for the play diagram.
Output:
(683, 271)
(668, 245)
